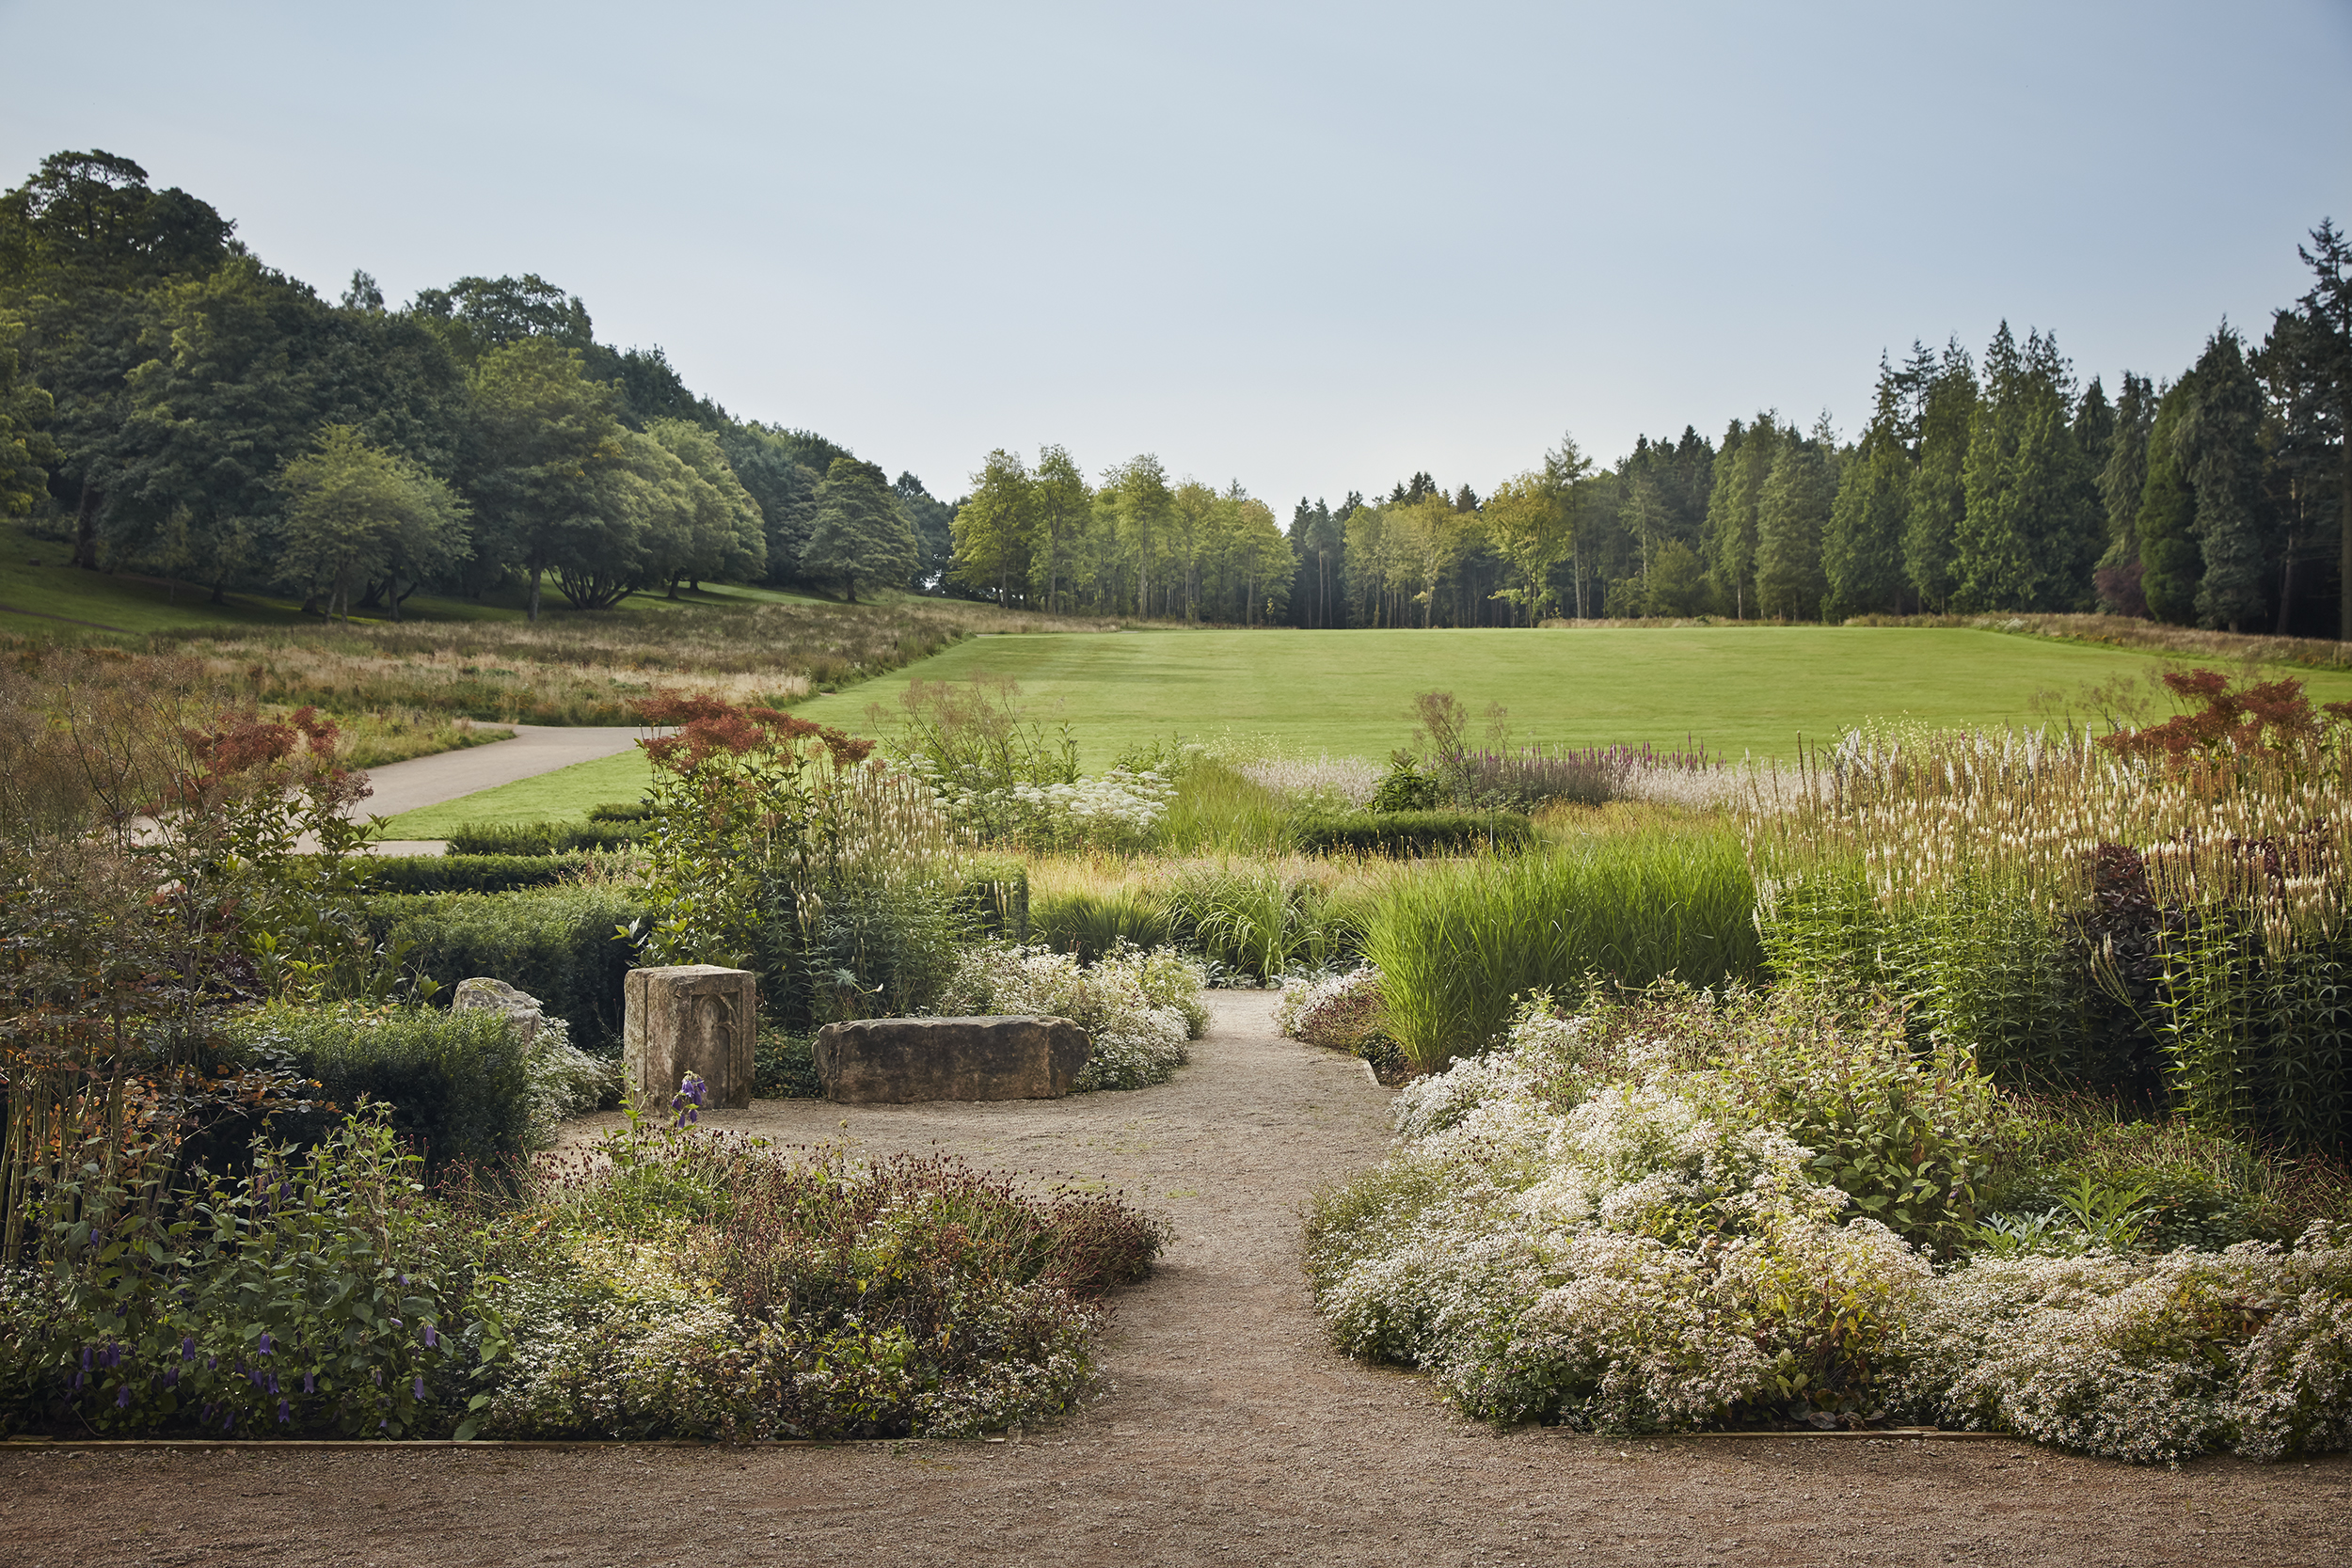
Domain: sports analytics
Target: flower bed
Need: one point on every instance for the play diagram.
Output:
(1343, 1012)
(1690, 1214)
(670, 1284)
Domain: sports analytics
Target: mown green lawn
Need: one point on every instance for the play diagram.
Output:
(564, 795)
(1737, 690)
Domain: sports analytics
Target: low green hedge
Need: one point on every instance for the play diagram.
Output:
(556, 943)
(1410, 832)
(542, 838)
(458, 1084)
(622, 811)
(467, 873)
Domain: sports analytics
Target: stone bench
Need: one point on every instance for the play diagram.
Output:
(895, 1061)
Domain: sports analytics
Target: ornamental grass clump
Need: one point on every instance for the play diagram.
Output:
(1140, 1007)
(1455, 942)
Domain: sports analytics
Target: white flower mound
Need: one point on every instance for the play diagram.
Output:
(1615, 1265)
(1633, 1263)
(1139, 1008)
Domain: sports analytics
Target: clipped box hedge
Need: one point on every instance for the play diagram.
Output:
(458, 1084)
(557, 943)
(467, 873)
(1410, 832)
(542, 838)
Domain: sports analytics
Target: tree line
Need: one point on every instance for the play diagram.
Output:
(170, 403)
(1134, 542)
(2221, 497)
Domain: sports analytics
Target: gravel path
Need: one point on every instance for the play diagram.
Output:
(1231, 1434)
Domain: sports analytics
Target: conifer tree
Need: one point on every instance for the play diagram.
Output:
(2120, 479)
(2221, 456)
(1741, 466)
(1938, 482)
(2024, 539)
(2167, 522)
(1791, 513)
(1862, 552)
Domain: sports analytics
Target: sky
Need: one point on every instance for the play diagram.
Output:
(1313, 248)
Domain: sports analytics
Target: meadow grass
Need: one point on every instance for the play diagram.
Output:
(1739, 689)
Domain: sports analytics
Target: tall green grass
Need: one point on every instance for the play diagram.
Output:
(1218, 811)
(1458, 942)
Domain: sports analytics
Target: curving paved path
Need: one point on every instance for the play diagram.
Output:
(446, 775)
(1232, 1431)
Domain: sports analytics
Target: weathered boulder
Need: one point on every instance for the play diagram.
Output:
(691, 1017)
(483, 995)
(893, 1061)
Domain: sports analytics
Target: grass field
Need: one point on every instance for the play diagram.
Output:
(1738, 689)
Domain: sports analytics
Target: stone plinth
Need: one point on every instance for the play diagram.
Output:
(891, 1061)
(693, 1018)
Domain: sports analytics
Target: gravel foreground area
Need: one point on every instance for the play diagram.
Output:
(1232, 1432)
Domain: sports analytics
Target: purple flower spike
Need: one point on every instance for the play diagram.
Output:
(420, 1386)
(309, 1386)
(431, 1339)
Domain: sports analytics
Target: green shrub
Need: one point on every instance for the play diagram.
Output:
(458, 1084)
(542, 838)
(784, 1066)
(622, 811)
(1456, 943)
(467, 873)
(994, 895)
(1411, 832)
(314, 1295)
(557, 943)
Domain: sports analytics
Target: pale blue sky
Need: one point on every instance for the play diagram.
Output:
(1313, 247)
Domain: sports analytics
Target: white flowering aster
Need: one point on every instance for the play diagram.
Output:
(1139, 1008)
